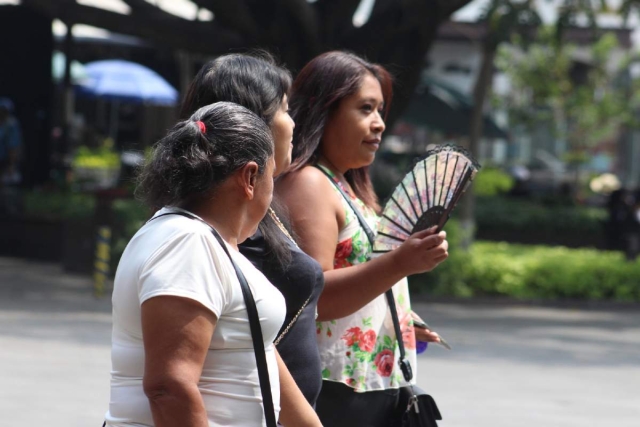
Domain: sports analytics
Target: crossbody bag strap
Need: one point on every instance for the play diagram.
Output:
(370, 234)
(404, 364)
(254, 324)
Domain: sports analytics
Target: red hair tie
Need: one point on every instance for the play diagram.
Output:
(202, 127)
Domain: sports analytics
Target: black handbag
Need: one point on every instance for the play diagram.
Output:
(419, 408)
(254, 324)
(415, 407)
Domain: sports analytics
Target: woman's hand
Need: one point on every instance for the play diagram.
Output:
(426, 335)
(421, 252)
(423, 334)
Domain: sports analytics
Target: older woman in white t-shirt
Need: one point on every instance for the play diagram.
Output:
(182, 352)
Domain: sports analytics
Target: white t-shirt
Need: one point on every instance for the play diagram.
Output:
(178, 256)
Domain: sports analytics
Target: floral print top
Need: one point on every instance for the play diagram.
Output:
(361, 350)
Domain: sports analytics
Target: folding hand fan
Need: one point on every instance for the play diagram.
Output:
(426, 196)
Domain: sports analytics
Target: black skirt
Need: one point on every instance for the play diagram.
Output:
(340, 406)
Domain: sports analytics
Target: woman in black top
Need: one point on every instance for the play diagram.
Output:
(301, 283)
(258, 84)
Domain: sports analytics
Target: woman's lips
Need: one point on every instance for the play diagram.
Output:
(373, 143)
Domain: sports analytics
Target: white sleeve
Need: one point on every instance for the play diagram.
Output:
(188, 266)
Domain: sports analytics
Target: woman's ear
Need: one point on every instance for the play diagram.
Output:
(247, 177)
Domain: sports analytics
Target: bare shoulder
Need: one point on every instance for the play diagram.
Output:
(310, 196)
(308, 182)
(315, 212)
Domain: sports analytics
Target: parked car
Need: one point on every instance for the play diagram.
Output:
(545, 174)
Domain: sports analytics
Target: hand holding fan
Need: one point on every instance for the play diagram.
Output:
(426, 196)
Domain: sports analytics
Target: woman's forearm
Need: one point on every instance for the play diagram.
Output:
(174, 403)
(347, 290)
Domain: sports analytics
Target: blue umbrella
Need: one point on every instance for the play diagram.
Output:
(125, 81)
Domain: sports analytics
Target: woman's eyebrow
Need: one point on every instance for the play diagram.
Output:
(372, 100)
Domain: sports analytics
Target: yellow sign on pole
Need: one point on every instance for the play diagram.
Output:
(102, 260)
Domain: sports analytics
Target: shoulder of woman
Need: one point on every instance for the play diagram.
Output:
(183, 235)
(305, 179)
(309, 195)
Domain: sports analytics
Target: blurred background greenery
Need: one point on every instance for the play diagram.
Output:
(545, 94)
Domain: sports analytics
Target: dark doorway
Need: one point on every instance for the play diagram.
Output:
(26, 45)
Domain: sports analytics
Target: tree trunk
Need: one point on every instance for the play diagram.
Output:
(481, 89)
(67, 98)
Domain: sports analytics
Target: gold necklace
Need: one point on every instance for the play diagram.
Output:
(281, 226)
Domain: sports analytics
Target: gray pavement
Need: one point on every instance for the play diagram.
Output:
(510, 366)
(525, 366)
(54, 348)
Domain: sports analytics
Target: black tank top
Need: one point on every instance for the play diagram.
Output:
(302, 278)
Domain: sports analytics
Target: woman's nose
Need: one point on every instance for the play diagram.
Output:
(378, 124)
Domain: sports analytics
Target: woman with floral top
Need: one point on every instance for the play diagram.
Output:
(339, 102)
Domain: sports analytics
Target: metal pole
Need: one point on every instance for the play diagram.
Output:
(67, 91)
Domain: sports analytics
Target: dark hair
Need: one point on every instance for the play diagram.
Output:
(253, 81)
(189, 163)
(317, 91)
(256, 82)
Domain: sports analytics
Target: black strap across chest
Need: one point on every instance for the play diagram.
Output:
(254, 323)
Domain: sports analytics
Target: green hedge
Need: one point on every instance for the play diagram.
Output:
(523, 214)
(58, 205)
(492, 181)
(530, 221)
(534, 272)
(128, 216)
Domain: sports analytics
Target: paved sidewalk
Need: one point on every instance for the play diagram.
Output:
(510, 367)
(54, 348)
(532, 367)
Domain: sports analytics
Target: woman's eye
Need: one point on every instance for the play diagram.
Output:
(367, 107)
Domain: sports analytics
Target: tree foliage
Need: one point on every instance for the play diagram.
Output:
(397, 34)
(503, 20)
(586, 107)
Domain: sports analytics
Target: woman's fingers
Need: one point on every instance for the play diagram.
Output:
(424, 233)
(423, 251)
(435, 255)
(432, 240)
(426, 335)
(438, 251)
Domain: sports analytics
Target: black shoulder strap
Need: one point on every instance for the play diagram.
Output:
(254, 323)
(404, 364)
